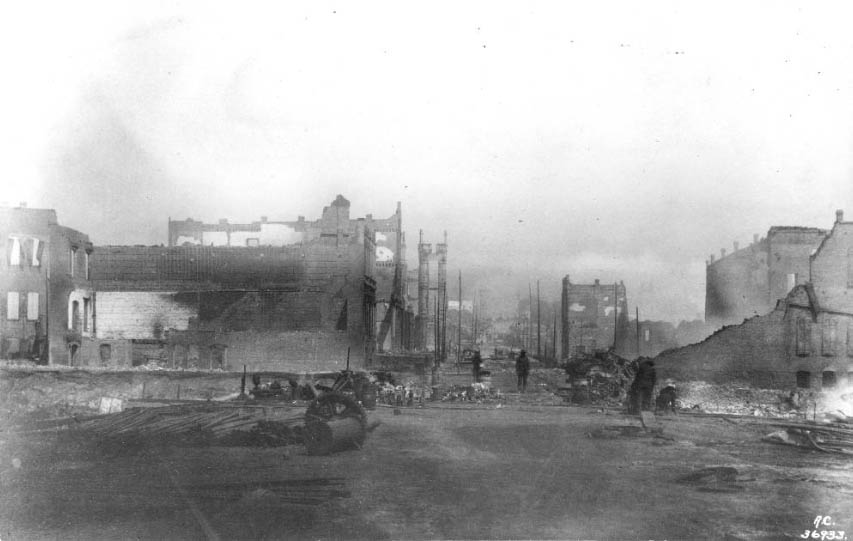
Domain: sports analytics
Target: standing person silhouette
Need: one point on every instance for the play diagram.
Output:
(476, 362)
(522, 368)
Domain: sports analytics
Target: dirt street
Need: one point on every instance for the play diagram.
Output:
(464, 472)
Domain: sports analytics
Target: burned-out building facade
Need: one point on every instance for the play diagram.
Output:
(750, 280)
(594, 317)
(805, 341)
(298, 298)
(427, 295)
(49, 314)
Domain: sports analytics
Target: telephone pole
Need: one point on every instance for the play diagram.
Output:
(538, 322)
(638, 332)
(459, 327)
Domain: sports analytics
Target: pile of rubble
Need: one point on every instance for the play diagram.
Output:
(742, 399)
(603, 378)
(476, 392)
(409, 393)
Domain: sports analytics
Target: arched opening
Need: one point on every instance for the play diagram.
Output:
(72, 354)
(106, 353)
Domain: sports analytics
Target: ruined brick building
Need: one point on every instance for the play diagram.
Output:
(748, 281)
(806, 340)
(427, 295)
(594, 317)
(271, 295)
(44, 280)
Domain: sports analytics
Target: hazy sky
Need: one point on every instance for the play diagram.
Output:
(618, 140)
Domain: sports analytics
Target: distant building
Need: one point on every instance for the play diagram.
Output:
(48, 314)
(806, 341)
(594, 317)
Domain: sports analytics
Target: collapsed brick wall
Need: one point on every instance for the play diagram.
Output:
(754, 351)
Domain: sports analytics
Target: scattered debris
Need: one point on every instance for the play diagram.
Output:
(714, 479)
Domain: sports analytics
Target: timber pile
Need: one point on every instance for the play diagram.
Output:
(210, 421)
(826, 438)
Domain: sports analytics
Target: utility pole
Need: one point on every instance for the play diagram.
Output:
(444, 326)
(476, 321)
(538, 322)
(615, 313)
(459, 329)
(638, 332)
(435, 335)
(529, 316)
(554, 343)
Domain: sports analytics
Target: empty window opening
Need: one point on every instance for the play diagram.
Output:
(75, 316)
(803, 337)
(828, 379)
(85, 315)
(13, 248)
(38, 249)
(12, 305)
(828, 337)
(72, 255)
(803, 380)
(792, 281)
(32, 306)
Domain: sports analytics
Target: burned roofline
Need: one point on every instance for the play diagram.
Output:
(795, 228)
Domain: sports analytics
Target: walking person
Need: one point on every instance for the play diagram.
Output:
(645, 385)
(522, 368)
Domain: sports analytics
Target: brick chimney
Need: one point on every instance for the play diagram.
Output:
(755, 238)
(736, 245)
(722, 253)
(839, 216)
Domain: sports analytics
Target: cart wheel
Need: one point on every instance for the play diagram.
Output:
(323, 434)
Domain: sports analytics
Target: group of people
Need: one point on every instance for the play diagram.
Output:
(522, 368)
(640, 393)
(642, 390)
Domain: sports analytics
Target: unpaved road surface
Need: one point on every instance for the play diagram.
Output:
(468, 472)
